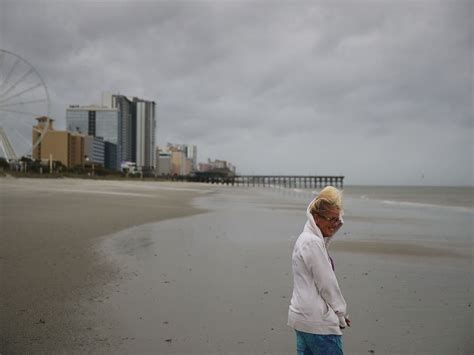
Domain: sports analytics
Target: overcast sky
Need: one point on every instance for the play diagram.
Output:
(379, 91)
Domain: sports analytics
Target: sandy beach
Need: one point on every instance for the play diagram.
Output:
(142, 267)
(50, 268)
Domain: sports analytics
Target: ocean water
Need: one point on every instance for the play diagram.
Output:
(399, 213)
(460, 197)
(442, 196)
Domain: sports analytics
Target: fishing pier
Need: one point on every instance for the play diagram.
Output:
(298, 181)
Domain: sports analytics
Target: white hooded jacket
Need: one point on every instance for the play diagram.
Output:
(317, 305)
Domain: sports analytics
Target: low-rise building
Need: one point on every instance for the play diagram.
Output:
(178, 163)
(182, 158)
(110, 156)
(94, 149)
(213, 165)
(63, 146)
(163, 164)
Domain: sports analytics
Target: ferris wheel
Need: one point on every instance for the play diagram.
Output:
(23, 98)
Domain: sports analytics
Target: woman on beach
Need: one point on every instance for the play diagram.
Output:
(317, 310)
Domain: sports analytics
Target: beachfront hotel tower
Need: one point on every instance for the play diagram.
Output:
(143, 139)
(124, 107)
(95, 121)
(128, 123)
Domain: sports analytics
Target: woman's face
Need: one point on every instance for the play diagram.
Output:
(329, 222)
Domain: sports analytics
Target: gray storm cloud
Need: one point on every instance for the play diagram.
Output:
(380, 92)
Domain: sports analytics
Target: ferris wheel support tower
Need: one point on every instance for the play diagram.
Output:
(7, 147)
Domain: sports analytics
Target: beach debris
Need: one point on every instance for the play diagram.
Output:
(372, 351)
(41, 321)
(265, 293)
(166, 282)
(169, 340)
(165, 322)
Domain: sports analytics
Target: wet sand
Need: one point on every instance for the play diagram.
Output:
(50, 269)
(219, 282)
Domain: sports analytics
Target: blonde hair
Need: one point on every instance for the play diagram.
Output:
(327, 199)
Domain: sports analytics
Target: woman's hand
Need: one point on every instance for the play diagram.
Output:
(347, 322)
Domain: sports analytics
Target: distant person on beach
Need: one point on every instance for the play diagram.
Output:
(317, 310)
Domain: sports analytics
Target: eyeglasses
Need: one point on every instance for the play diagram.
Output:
(333, 220)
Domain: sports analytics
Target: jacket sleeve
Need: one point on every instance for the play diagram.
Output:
(316, 260)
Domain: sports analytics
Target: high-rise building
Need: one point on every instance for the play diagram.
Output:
(96, 121)
(137, 129)
(134, 127)
(145, 126)
(126, 129)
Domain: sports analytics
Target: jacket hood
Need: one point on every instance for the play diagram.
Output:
(311, 224)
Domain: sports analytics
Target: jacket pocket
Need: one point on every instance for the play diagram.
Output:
(326, 310)
(330, 316)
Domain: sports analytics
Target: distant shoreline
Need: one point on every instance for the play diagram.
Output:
(4, 174)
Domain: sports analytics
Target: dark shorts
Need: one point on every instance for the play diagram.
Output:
(315, 344)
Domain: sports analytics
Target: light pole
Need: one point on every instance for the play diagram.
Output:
(87, 160)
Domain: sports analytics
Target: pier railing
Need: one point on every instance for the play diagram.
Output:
(296, 181)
